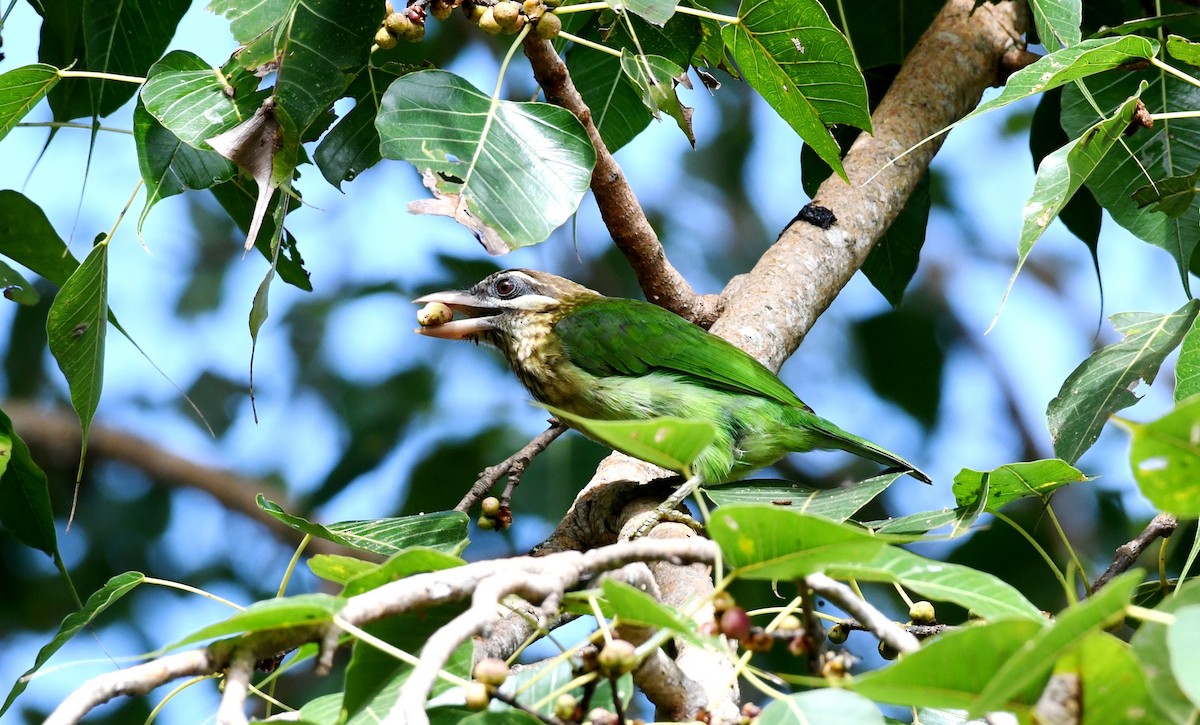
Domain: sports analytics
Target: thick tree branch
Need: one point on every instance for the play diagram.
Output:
(619, 207)
(54, 433)
(770, 310)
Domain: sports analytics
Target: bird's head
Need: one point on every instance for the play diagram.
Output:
(504, 305)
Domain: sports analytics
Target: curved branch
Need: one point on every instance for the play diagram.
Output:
(623, 216)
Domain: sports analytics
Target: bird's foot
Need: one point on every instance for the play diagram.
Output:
(662, 515)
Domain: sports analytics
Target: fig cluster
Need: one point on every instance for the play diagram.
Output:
(509, 16)
(407, 24)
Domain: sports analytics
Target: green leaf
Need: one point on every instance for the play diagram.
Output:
(237, 197)
(1061, 174)
(918, 523)
(254, 25)
(1081, 215)
(374, 677)
(352, 145)
(20, 90)
(25, 493)
(26, 237)
(444, 531)
(276, 613)
(1028, 667)
(1187, 367)
(654, 76)
(1150, 645)
(102, 599)
(1183, 641)
(1114, 688)
(657, 12)
(168, 165)
(803, 67)
(1013, 481)
(761, 542)
(838, 503)
(1165, 457)
(1184, 50)
(123, 38)
(413, 560)
(1103, 383)
(634, 606)
(538, 684)
(1172, 196)
(883, 33)
(195, 101)
(337, 568)
(16, 287)
(1057, 22)
(75, 329)
(985, 595)
(617, 108)
(949, 670)
(1170, 148)
(1084, 59)
(511, 172)
(821, 706)
(672, 443)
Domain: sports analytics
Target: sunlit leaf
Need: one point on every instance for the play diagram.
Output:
(617, 108)
(195, 101)
(1061, 174)
(1057, 22)
(444, 531)
(950, 670)
(352, 145)
(763, 542)
(1183, 641)
(1165, 457)
(1015, 480)
(838, 503)
(984, 594)
(76, 329)
(512, 172)
(1103, 384)
(1113, 686)
(657, 12)
(918, 523)
(1029, 667)
(672, 443)
(20, 90)
(1182, 49)
(168, 165)
(276, 613)
(1153, 653)
(116, 587)
(802, 66)
(1187, 367)
(821, 706)
(1084, 59)
(1170, 148)
(654, 76)
(634, 606)
(413, 560)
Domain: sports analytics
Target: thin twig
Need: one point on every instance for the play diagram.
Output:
(619, 208)
(873, 620)
(232, 710)
(1161, 526)
(513, 467)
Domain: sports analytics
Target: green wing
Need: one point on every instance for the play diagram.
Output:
(628, 337)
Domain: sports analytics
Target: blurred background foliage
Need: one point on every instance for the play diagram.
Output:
(358, 418)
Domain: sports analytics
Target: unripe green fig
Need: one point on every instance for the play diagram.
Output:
(491, 671)
(922, 612)
(386, 40)
(477, 696)
(548, 26)
(618, 657)
(397, 23)
(440, 9)
(506, 13)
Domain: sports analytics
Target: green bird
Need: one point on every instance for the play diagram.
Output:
(610, 358)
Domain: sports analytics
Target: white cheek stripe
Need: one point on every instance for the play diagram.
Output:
(533, 303)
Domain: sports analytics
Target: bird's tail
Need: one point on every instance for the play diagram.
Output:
(829, 436)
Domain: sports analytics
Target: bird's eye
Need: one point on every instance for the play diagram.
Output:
(506, 288)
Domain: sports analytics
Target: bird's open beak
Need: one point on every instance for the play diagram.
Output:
(479, 312)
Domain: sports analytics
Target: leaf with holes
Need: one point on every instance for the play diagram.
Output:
(1104, 383)
(1165, 456)
(519, 169)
